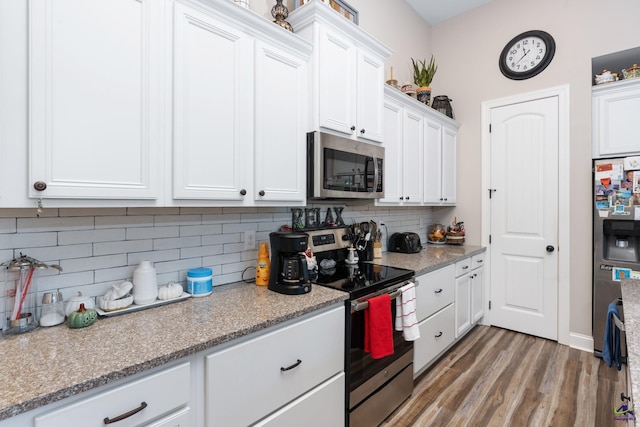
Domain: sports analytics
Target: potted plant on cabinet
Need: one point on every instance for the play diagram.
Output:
(422, 76)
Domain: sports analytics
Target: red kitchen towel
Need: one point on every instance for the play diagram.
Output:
(378, 330)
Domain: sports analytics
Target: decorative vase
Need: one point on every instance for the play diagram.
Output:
(280, 13)
(424, 94)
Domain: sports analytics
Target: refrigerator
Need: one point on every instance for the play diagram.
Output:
(616, 236)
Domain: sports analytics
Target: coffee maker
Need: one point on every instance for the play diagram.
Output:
(289, 274)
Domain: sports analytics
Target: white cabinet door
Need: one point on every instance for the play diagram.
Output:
(393, 157)
(323, 406)
(435, 291)
(449, 141)
(153, 395)
(273, 369)
(433, 163)
(213, 115)
(337, 79)
(440, 164)
(412, 164)
(463, 304)
(370, 101)
(94, 99)
(615, 119)
(477, 294)
(436, 334)
(280, 126)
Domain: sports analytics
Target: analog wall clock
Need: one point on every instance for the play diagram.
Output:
(527, 54)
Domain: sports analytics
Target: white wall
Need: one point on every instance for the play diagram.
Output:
(467, 48)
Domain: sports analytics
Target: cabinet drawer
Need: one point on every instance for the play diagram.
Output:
(178, 419)
(162, 392)
(434, 291)
(323, 406)
(477, 261)
(436, 334)
(248, 381)
(463, 267)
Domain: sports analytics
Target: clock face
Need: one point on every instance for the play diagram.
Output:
(526, 55)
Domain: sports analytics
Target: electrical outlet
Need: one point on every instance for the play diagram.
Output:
(249, 240)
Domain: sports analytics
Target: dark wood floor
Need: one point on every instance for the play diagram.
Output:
(496, 377)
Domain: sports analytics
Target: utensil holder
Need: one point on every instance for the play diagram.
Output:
(20, 303)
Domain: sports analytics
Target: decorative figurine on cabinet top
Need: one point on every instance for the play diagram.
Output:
(280, 13)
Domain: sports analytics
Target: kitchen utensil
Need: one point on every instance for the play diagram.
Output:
(52, 311)
(145, 284)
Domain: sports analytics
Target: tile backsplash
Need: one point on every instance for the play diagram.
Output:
(99, 247)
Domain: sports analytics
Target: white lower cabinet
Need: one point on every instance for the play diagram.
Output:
(463, 296)
(246, 382)
(167, 391)
(434, 310)
(477, 287)
(436, 334)
(449, 301)
(323, 406)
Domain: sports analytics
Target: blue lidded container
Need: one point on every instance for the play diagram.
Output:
(200, 281)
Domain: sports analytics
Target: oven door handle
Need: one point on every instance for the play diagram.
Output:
(363, 305)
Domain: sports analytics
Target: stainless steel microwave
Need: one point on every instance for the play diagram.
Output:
(341, 168)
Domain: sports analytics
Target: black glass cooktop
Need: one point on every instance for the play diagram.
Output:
(360, 279)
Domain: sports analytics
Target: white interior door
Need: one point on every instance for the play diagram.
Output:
(524, 217)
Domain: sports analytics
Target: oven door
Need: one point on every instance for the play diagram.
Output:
(365, 375)
(342, 168)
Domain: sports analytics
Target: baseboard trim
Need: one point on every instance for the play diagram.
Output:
(581, 342)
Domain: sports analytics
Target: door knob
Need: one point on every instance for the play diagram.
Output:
(243, 192)
(353, 128)
(550, 248)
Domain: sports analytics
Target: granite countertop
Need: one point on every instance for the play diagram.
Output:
(50, 364)
(430, 258)
(631, 304)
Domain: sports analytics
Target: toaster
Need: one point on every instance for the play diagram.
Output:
(407, 243)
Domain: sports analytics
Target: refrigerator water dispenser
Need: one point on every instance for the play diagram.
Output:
(621, 240)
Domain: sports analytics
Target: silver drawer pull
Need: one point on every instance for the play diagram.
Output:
(437, 291)
(438, 336)
(126, 414)
(295, 365)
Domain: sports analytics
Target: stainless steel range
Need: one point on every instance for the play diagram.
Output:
(374, 387)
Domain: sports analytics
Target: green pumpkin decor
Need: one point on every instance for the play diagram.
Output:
(83, 317)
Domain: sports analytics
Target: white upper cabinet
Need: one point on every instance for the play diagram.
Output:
(420, 153)
(94, 99)
(212, 108)
(440, 162)
(347, 77)
(280, 126)
(240, 110)
(615, 119)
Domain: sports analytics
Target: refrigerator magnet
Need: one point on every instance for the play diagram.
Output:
(632, 162)
(621, 273)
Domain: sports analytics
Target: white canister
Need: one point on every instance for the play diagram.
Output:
(200, 281)
(145, 284)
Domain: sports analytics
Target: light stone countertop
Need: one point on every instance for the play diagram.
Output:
(50, 364)
(631, 305)
(430, 258)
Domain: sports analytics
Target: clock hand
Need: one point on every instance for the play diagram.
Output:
(523, 56)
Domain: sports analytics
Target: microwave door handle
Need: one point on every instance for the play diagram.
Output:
(376, 175)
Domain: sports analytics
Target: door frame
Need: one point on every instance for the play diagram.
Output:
(564, 206)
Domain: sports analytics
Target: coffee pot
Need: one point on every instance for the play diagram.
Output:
(289, 273)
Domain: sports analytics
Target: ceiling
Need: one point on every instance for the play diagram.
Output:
(435, 11)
